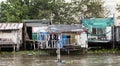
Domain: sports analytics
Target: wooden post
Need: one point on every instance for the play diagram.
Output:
(113, 39)
(34, 44)
(68, 52)
(0, 48)
(14, 47)
(38, 44)
(52, 43)
(58, 53)
(58, 49)
(24, 35)
(46, 41)
(113, 32)
(31, 45)
(17, 47)
(52, 40)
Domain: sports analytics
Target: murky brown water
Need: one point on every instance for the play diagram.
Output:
(74, 60)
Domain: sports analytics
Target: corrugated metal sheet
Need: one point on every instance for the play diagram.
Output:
(43, 21)
(10, 26)
(65, 28)
(35, 24)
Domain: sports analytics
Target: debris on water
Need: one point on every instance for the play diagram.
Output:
(30, 54)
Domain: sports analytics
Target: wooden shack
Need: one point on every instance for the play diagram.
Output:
(46, 37)
(70, 37)
(11, 35)
(33, 31)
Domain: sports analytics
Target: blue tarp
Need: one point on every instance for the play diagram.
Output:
(64, 39)
(41, 35)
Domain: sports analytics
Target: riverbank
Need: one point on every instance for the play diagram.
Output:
(29, 52)
(104, 51)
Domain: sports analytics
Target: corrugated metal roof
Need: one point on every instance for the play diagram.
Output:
(42, 21)
(35, 24)
(10, 26)
(65, 28)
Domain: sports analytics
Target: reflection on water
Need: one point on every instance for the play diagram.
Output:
(76, 60)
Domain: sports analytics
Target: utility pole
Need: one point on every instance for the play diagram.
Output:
(113, 38)
(114, 20)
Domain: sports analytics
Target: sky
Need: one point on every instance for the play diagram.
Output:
(2, 0)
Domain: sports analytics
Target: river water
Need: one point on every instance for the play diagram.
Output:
(67, 60)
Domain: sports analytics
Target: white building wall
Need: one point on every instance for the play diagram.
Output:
(39, 29)
(109, 33)
(83, 40)
(15, 36)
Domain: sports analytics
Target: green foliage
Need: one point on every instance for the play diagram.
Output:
(95, 9)
(118, 8)
(59, 10)
(104, 51)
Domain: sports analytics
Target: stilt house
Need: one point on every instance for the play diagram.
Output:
(11, 35)
(99, 29)
(35, 32)
(70, 37)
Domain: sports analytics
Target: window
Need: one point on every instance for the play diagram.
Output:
(98, 30)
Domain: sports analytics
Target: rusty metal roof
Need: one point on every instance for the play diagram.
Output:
(10, 26)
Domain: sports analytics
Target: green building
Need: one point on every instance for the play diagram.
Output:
(99, 29)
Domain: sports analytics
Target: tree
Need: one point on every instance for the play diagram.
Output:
(12, 11)
(95, 9)
(63, 12)
(74, 11)
(3, 9)
(118, 7)
(92, 8)
(18, 10)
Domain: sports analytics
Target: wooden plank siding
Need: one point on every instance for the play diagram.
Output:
(11, 35)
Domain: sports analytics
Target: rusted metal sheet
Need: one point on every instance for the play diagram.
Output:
(10, 26)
